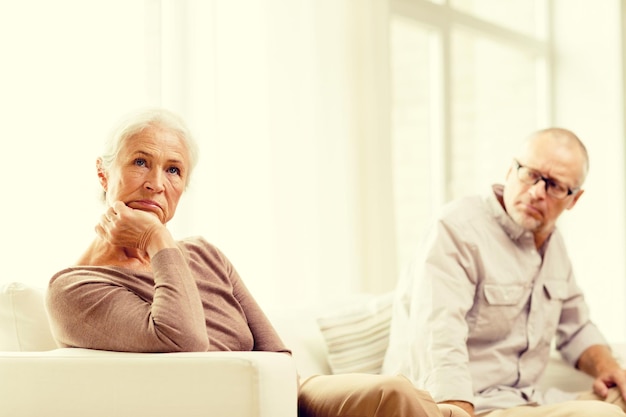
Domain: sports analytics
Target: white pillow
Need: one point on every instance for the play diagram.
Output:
(357, 335)
(24, 324)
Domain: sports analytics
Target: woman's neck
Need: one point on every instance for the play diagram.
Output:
(102, 253)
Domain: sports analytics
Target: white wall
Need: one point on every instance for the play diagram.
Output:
(273, 97)
(63, 83)
(588, 84)
(283, 174)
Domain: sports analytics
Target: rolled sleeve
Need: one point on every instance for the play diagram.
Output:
(588, 336)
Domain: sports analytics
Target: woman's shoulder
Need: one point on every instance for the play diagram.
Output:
(75, 272)
(81, 282)
(198, 246)
(94, 274)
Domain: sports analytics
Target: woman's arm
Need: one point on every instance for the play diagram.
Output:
(118, 309)
(126, 309)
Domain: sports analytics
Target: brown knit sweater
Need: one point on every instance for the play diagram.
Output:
(193, 300)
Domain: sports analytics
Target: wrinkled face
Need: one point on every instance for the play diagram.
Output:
(149, 173)
(529, 205)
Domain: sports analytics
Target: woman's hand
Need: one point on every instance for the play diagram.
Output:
(123, 226)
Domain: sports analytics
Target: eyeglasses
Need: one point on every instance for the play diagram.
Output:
(554, 188)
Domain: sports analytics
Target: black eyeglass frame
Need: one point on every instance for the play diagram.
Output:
(547, 181)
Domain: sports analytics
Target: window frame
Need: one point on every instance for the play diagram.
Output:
(443, 19)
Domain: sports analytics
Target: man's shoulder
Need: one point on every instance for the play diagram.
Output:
(464, 209)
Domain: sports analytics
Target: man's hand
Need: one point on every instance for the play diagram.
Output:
(609, 379)
(451, 412)
(598, 361)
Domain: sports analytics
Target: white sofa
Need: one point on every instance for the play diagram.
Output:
(39, 379)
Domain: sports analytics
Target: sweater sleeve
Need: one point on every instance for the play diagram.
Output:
(96, 309)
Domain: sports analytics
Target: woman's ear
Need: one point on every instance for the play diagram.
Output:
(102, 175)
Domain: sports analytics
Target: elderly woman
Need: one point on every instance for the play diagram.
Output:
(137, 289)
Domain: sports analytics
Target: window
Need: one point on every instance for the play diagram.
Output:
(469, 81)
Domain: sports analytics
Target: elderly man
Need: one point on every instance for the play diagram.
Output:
(492, 286)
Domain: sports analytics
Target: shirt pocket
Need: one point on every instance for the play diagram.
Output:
(501, 308)
(503, 295)
(556, 290)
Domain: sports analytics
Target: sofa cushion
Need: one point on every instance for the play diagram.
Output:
(298, 329)
(24, 324)
(357, 334)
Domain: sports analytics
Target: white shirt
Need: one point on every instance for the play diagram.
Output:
(478, 309)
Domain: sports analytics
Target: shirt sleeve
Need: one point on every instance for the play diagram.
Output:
(90, 310)
(441, 295)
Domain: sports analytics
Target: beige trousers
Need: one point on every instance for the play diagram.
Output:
(365, 395)
(586, 405)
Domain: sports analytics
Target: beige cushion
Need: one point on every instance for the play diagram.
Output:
(357, 335)
(24, 322)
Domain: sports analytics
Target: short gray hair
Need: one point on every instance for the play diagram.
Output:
(569, 137)
(140, 120)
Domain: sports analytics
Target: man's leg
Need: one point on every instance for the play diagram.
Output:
(576, 408)
(363, 395)
(614, 397)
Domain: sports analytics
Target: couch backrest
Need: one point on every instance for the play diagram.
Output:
(346, 335)
(299, 331)
(350, 336)
(24, 324)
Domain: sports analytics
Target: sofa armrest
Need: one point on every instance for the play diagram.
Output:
(84, 382)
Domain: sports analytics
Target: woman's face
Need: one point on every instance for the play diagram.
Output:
(149, 173)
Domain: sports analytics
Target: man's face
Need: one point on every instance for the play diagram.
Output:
(529, 205)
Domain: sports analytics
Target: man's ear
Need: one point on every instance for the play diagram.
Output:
(102, 175)
(575, 199)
